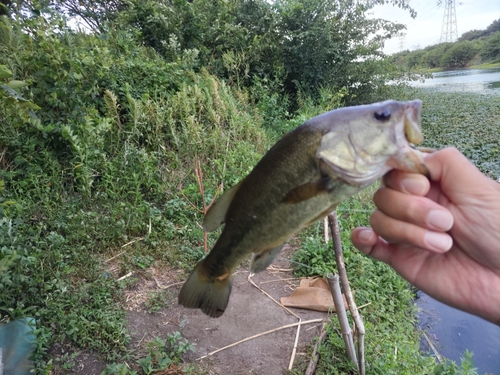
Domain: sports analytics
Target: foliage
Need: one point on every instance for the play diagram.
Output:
(448, 116)
(491, 48)
(305, 44)
(473, 47)
(459, 55)
(98, 140)
(449, 367)
(164, 353)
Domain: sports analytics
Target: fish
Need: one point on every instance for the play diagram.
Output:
(300, 180)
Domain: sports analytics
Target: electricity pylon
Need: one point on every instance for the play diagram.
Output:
(449, 32)
(402, 42)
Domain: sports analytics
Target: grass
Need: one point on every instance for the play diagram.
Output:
(485, 66)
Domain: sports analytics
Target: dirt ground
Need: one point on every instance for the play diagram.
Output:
(249, 312)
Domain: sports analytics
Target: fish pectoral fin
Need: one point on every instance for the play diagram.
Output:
(216, 215)
(308, 190)
(262, 260)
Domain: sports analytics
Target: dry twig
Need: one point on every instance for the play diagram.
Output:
(436, 353)
(261, 334)
(315, 356)
(294, 350)
(199, 179)
(124, 276)
(116, 256)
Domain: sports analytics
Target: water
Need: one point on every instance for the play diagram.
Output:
(452, 331)
(470, 80)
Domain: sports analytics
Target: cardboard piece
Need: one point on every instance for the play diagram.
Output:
(312, 294)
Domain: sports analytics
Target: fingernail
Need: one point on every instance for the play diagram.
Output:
(413, 185)
(441, 220)
(438, 241)
(365, 235)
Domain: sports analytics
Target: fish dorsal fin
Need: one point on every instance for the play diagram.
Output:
(216, 215)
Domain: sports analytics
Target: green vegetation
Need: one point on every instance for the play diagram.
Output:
(162, 355)
(472, 48)
(101, 131)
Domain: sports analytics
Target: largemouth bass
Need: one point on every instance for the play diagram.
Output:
(301, 179)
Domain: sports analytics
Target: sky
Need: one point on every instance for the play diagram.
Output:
(425, 29)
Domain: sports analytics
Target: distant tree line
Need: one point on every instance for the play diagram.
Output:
(472, 48)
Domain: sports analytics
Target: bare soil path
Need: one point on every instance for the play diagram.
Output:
(249, 312)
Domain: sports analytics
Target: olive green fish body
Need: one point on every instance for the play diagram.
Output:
(263, 214)
(299, 180)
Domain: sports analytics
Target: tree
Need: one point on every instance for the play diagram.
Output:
(491, 48)
(434, 55)
(459, 54)
(471, 35)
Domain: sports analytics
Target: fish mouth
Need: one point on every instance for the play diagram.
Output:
(412, 121)
(408, 158)
(411, 160)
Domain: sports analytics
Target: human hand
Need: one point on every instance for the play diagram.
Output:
(443, 236)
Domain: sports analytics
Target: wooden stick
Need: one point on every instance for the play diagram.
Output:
(278, 280)
(325, 226)
(133, 241)
(436, 353)
(165, 287)
(124, 276)
(261, 334)
(294, 350)
(333, 281)
(116, 256)
(271, 297)
(315, 356)
(339, 259)
(362, 306)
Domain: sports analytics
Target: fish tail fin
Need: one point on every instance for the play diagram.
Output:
(210, 294)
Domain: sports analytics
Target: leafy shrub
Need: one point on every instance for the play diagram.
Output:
(491, 48)
(459, 55)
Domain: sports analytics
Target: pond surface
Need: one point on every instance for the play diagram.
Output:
(469, 80)
(452, 331)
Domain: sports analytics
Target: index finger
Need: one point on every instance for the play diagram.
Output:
(406, 182)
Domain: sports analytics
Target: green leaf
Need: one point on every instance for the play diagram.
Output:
(4, 72)
(14, 84)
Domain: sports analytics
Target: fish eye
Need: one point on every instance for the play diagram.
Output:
(382, 115)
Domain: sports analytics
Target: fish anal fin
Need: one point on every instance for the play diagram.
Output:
(216, 215)
(260, 261)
